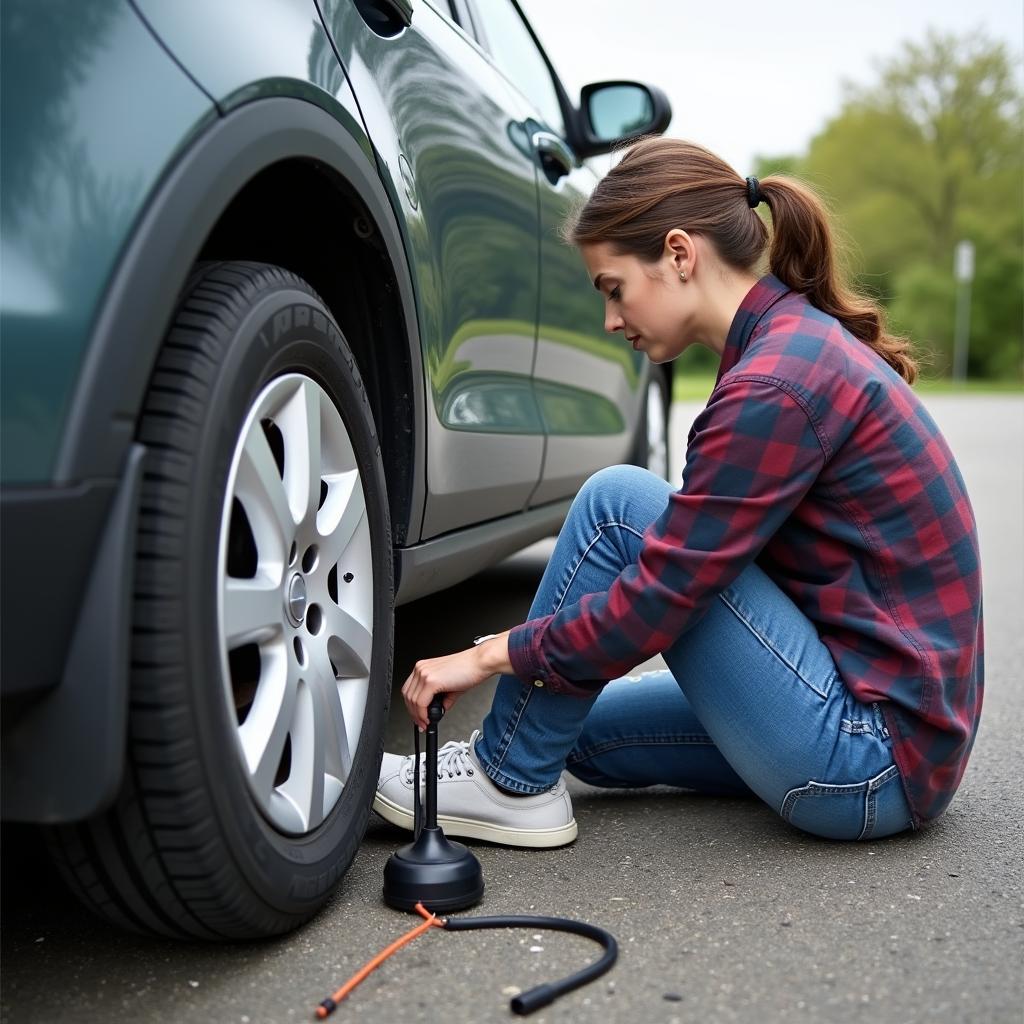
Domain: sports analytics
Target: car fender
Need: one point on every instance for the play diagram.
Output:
(143, 291)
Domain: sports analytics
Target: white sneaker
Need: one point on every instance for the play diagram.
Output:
(469, 804)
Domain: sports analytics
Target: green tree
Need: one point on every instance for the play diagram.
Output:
(931, 153)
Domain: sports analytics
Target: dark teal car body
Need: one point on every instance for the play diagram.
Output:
(378, 150)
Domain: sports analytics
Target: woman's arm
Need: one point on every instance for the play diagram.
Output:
(753, 455)
(453, 675)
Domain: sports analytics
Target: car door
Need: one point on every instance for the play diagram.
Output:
(588, 384)
(451, 144)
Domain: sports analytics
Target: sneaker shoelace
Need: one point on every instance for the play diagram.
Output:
(452, 759)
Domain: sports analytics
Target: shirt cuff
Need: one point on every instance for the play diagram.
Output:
(530, 665)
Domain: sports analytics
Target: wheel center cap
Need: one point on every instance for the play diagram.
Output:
(296, 602)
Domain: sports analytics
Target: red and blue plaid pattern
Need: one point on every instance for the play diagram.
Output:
(816, 459)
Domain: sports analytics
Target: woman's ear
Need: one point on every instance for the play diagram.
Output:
(681, 251)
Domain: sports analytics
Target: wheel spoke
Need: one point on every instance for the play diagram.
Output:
(252, 609)
(349, 642)
(341, 515)
(266, 727)
(299, 422)
(304, 787)
(337, 750)
(259, 488)
(352, 694)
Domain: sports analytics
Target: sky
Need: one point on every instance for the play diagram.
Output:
(750, 78)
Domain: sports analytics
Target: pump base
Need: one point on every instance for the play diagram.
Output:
(440, 874)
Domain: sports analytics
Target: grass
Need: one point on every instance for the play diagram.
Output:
(945, 386)
(691, 387)
(695, 387)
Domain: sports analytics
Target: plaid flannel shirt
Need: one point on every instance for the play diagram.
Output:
(814, 458)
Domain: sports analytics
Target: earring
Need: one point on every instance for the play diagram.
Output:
(682, 275)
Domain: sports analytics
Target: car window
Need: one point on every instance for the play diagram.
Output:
(509, 42)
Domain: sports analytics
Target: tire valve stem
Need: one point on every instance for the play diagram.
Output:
(348, 577)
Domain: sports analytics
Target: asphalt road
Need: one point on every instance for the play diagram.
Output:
(722, 912)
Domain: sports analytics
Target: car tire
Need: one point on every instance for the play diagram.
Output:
(262, 628)
(652, 449)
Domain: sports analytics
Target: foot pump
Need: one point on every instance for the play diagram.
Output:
(432, 874)
(431, 870)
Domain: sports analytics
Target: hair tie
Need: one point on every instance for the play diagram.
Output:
(754, 197)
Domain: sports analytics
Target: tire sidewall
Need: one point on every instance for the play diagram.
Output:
(286, 330)
(641, 455)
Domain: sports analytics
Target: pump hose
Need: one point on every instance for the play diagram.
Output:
(523, 1004)
(547, 993)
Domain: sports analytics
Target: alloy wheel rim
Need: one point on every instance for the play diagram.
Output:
(295, 602)
(657, 447)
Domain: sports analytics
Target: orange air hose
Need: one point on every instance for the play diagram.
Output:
(331, 1002)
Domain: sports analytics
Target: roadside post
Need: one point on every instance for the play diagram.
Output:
(963, 272)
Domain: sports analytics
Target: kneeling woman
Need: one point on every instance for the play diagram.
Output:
(813, 586)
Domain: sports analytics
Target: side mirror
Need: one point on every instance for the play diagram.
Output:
(614, 112)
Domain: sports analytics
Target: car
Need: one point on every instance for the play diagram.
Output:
(289, 338)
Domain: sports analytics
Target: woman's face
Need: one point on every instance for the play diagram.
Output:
(655, 310)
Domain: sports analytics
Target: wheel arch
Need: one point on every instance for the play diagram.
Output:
(230, 190)
(303, 216)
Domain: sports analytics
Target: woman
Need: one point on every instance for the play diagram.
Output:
(814, 585)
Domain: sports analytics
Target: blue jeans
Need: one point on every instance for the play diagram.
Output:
(751, 701)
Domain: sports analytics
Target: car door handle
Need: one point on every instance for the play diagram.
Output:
(556, 157)
(394, 14)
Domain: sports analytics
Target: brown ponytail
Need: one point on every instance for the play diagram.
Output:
(804, 256)
(662, 184)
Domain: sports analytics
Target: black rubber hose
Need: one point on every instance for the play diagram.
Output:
(548, 993)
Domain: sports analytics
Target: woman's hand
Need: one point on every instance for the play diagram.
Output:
(453, 675)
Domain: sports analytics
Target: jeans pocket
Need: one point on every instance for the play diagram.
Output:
(848, 811)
